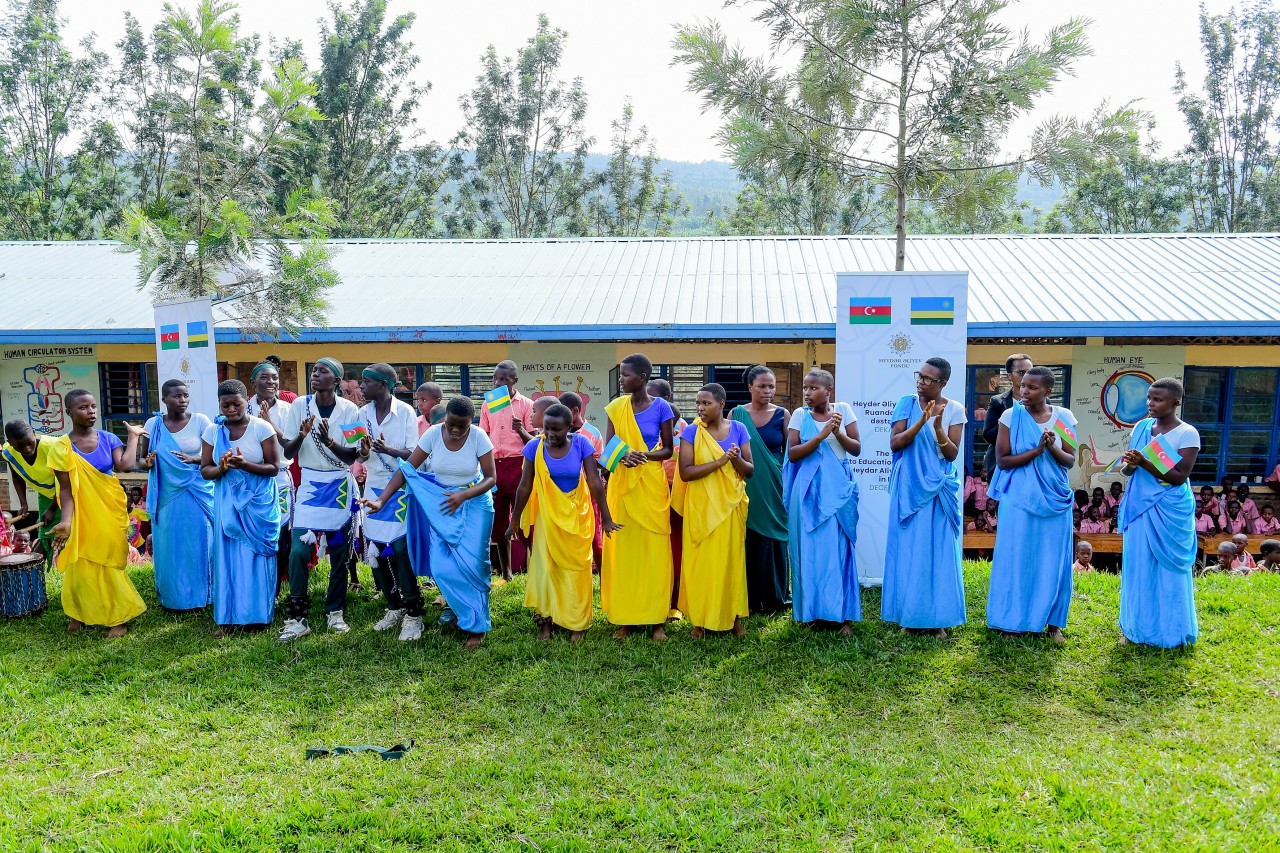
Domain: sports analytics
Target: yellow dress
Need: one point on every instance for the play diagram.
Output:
(559, 583)
(713, 571)
(95, 588)
(636, 575)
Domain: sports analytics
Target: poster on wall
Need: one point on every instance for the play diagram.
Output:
(35, 380)
(1108, 396)
(185, 350)
(887, 324)
(550, 369)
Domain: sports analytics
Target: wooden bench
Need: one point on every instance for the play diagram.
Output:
(1103, 543)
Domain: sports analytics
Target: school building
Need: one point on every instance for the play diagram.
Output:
(1107, 313)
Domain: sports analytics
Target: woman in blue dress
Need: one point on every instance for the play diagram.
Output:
(1031, 568)
(1157, 518)
(923, 580)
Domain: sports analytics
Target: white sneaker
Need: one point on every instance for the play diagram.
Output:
(336, 622)
(389, 620)
(293, 629)
(411, 628)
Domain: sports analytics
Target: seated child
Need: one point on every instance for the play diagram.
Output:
(1093, 522)
(1224, 562)
(1233, 520)
(1206, 524)
(1113, 496)
(1243, 559)
(1247, 505)
(988, 517)
(1270, 551)
(1266, 524)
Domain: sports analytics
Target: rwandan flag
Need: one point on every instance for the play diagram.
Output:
(933, 311)
(1161, 454)
(613, 453)
(497, 399)
(198, 334)
(169, 337)
(352, 433)
(1066, 433)
(870, 311)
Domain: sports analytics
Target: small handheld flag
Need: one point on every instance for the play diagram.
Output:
(1066, 433)
(352, 433)
(169, 337)
(1116, 465)
(497, 399)
(613, 453)
(1161, 454)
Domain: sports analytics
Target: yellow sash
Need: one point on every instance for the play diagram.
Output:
(100, 527)
(639, 495)
(714, 497)
(39, 475)
(565, 520)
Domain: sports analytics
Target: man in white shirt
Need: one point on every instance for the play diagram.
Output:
(313, 433)
(393, 433)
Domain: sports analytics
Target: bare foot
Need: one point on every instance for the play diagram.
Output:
(117, 632)
(659, 635)
(846, 630)
(474, 641)
(1056, 635)
(939, 633)
(739, 630)
(507, 575)
(75, 626)
(576, 637)
(220, 632)
(1010, 635)
(696, 633)
(1125, 641)
(621, 633)
(545, 633)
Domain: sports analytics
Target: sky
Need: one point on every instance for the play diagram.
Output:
(622, 49)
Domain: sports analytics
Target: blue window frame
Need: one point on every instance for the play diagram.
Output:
(987, 380)
(1237, 411)
(130, 392)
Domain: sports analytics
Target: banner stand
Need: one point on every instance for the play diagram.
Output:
(185, 350)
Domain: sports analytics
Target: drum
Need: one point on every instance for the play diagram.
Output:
(22, 590)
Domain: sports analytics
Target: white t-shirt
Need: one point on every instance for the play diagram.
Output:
(455, 467)
(399, 430)
(1006, 418)
(250, 444)
(1182, 436)
(846, 412)
(279, 410)
(311, 454)
(188, 437)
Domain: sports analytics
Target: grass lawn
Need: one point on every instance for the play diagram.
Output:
(170, 740)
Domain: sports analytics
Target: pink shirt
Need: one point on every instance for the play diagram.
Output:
(1239, 524)
(1249, 509)
(423, 425)
(1204, 523)
(1244, 561)
(989, 519)
(1275, 476)
(1090, 526)
(507, 443)
(974, 486)
(1266, 527)
(1081, 568)
(1111, 500)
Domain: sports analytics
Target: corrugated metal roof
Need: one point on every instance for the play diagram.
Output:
(770, 288)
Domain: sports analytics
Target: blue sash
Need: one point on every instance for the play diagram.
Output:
(247, 506)
(1040, 488)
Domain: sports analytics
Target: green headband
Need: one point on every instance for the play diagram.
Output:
(334, 366)
(387, 377)
(266, 365)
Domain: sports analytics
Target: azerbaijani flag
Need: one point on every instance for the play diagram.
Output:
(198, 334)
(352, 433)
(613, 453)
(870, 311)
(1066, 433)
(497, 399)
(169, 337)
(933, 311)
(1161, 454)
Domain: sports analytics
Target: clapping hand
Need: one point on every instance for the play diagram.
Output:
(307, 424)
(731, 455)
(366, 444)
(634, 458)
(1132, 459)
(379, 444)
(322, 431)
(182, 457)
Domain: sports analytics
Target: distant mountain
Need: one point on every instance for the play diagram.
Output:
(709, 188)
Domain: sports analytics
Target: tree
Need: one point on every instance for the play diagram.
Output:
(632, 198)
(212, 232)
(816, 203)
(364, 156)
(1133, 191)
(520, 159)
(48, 95)
(913, 96)
(1232, 153)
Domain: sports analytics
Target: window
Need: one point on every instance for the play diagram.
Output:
(685, 381)
(1236, 411)
(987, 380)
(447, 376)
(130, 392)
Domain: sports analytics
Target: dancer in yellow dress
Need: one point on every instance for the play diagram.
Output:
(636, 577)
(711, 494)
(553, 511)
(95, 520)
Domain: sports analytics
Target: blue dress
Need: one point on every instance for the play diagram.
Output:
(181, 505)
(1157, 596)
(1031, 568)
(821, 497)
(247, 532)
(923, 579)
